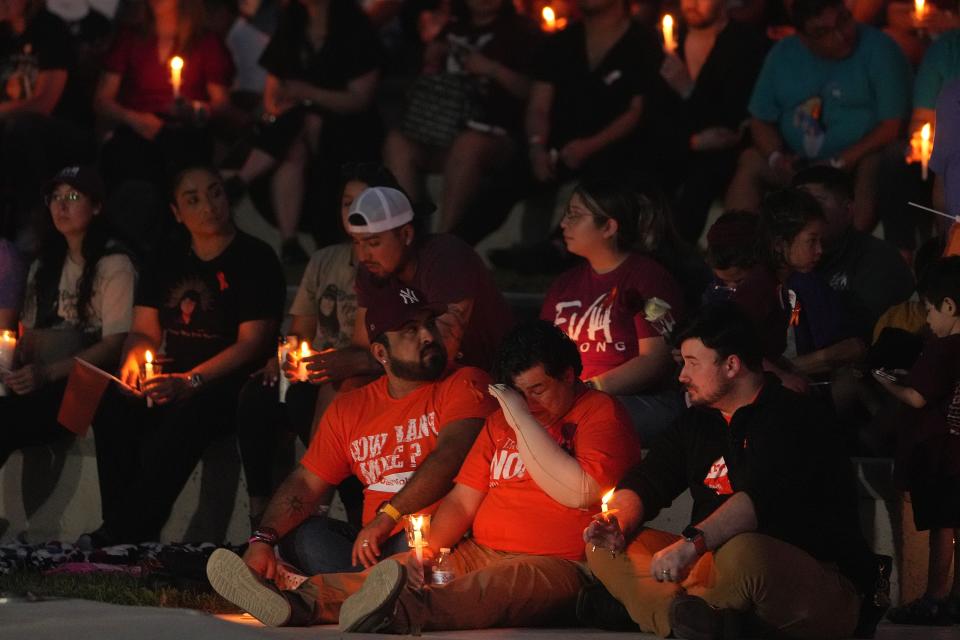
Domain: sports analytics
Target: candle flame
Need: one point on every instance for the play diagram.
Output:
(176, 63)
(919, 5)
(549, 16)
(606, 497)
(304, 349)
(416, 523)
(148, 356)
(925, 131)
(6, 334)
(668, 23)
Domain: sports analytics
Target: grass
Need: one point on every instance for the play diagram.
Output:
(111, 588)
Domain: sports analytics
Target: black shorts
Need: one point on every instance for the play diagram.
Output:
(936, 504)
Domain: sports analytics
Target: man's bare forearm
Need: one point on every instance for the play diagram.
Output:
(297, 498)
(434, 477)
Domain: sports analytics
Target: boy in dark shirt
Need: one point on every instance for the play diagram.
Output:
(928, 453)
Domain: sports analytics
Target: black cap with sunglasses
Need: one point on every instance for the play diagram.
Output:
(85, 179)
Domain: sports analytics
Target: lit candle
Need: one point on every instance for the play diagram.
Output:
(305, 351)
(149, 371)
(8, 346)
(549, 19)
(925, 150)
(669, 42)
(418, 538)
(605, 500)
(919, 8)
(176, 67)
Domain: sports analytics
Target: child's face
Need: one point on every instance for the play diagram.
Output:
(943, 320)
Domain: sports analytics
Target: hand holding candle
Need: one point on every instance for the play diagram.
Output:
(8, 346)
(150, 370)
(669, 40)
(302, 374)
(921, 148)
(176, 68)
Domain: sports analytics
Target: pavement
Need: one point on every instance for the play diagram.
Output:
(85, 620)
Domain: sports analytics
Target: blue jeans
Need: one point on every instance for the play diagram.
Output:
(324, 545)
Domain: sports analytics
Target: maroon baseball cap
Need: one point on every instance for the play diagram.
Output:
(395, 306)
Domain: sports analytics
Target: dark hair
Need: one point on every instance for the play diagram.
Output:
(181, 173)
(804, 10)
(784, 214)
(734, 241)
(532, 343)
(725, 328)
(941, 281)
(644, 223)
(837, 182)
(99, 240)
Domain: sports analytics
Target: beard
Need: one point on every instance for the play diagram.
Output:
(429, 368)
(720, 389)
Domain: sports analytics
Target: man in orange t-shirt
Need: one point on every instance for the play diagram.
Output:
(530, 484)
(404, 436)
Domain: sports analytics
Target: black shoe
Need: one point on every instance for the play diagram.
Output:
(691, 618)
(291, 253)
(876, 602)
(235, 188)
(596, 607)
(923, 611)
(97, 539)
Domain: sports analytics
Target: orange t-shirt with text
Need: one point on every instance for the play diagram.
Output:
(516, 515)
(382, 440)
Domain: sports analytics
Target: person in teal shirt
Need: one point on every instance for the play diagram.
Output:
(837, 92)
(940, 65)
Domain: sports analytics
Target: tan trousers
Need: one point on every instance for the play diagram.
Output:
(492, 589)
(783, 586)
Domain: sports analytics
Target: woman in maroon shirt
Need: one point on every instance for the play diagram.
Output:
(600, 302)
(157, 127)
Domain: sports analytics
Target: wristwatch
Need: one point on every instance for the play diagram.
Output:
(195, 380)
(266, 535)
(390, 510)
(694, 535)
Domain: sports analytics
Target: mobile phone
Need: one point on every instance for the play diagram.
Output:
(886, 375)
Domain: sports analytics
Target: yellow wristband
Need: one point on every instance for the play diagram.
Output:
(391, 511)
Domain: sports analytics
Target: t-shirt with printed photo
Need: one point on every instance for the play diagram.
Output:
(202, 303)
(603, 312)
(327, 292)
(515, 512)
(382, 440)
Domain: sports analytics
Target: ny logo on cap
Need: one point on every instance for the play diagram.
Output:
(409, 296)
(70, 172)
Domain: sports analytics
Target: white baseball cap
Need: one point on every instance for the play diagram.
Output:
(379, 209)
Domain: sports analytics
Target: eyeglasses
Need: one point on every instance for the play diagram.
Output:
(69, 196)
(573, 217)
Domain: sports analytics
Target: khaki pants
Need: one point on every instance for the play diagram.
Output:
(492, 589)
(783, 586)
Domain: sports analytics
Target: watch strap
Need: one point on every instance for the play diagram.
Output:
(695, 535)
(266, 535)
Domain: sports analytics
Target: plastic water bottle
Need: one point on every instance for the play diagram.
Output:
(442, 570)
